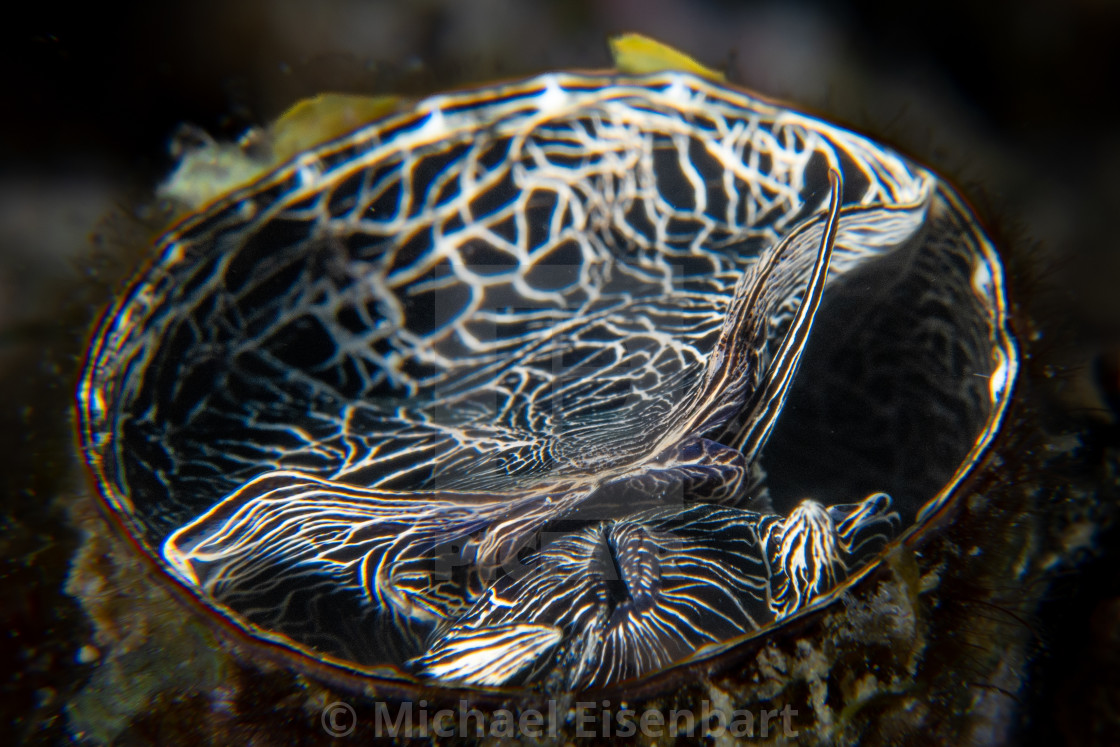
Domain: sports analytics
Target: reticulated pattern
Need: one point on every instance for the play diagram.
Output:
(345, 399)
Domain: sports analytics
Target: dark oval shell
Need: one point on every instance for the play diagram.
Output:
(561, 380)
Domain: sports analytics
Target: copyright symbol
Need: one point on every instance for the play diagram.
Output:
(339, 719)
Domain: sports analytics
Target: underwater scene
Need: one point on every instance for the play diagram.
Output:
(561, 373)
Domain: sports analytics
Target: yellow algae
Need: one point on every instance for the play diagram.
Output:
(318, 119)
(638, 54)
(208, 169)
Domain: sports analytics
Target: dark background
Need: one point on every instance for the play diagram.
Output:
(1013, 101)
